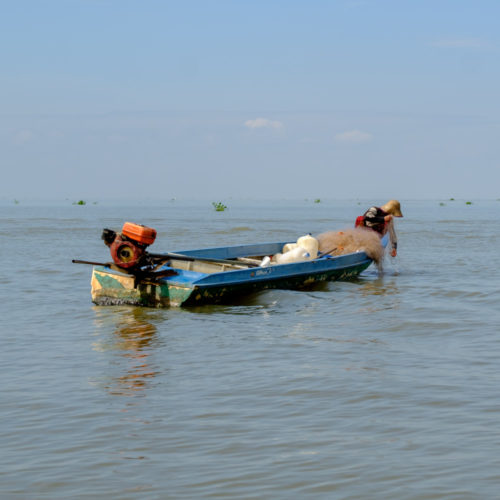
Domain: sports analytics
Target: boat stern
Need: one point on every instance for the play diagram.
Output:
(112, 288)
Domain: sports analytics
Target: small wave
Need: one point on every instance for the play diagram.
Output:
(233, 230)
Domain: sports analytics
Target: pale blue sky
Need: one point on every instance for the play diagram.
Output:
(212, 99)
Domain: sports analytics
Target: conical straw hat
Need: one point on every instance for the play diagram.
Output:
(392, 207)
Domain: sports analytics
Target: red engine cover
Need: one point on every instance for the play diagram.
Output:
(124, 253)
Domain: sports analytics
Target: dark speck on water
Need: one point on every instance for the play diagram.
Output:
(385, 386)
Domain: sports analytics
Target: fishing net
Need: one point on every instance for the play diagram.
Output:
(352, 240)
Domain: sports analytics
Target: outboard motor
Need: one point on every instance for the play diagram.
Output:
(128, 248)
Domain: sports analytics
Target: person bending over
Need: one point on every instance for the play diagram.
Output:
(380, 220)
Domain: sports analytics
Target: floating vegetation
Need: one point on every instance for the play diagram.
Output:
(452, 199)
(16, 202)
(317, 200)
(442, 204)
(81, 202)
(219, 206)
(468, 202)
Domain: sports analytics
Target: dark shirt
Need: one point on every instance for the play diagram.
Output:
(374, 219)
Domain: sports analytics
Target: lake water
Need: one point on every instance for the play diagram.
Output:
(382, 387)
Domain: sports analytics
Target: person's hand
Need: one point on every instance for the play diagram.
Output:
(388, 218)
(394, 252)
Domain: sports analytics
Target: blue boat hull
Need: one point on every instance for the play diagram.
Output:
(189, 287)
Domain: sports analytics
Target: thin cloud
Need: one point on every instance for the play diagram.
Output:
(263, 123)
(354, 4)
(460, 43)
(354, 136)
(309, 140)
(23, 137)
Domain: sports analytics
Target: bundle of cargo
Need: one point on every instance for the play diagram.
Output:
(352, 240)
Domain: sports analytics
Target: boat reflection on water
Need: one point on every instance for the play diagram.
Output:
(129, 337)
(381, 294)
(379, 286)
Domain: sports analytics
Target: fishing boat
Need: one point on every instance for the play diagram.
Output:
(209, 275)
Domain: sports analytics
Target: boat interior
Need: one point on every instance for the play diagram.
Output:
(210, 267)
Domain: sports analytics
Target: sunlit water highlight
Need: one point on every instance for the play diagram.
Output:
(382, 387)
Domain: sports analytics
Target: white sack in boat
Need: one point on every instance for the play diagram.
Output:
(307, 243)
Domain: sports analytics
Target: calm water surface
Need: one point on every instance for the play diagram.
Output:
(382, 387)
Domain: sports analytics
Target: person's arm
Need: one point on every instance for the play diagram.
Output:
(392, 238)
